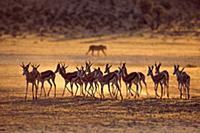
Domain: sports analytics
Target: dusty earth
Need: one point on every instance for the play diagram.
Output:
(78, 114)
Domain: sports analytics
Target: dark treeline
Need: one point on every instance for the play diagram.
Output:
(79, 18)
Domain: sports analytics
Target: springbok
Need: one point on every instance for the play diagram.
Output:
(78, 80)
(88, 77)
(30, 78)
(107, 71)
(183, 81)
(98, 74)
(141, 78)
(112, 77)
(97, 48)
(166, 74)
(129, 79)
(48, 76)
(157, 79)
(68, 77)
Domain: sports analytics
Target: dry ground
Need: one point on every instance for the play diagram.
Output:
(78, 114)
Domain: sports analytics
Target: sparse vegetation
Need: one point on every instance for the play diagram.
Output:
(90, 18)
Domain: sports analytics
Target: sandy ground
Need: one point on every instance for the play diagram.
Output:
(78, 114)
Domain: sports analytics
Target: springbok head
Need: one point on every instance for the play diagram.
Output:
(98, 72)
(176, 69)
(157, 68)
(107, 68)
(35, 71)
(150, 70)
(25, 68)
(123, 67)
(63, 68)
(57, 67)
(35, 67)
(80, 72)
(88, 65)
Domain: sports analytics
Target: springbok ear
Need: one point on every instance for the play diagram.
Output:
(77, 68)
(28, 64)
(174, 66)
(65, 67)
(159, 65)
(38, 65)
(152, 67)
(62, 64)
(182, 69)
(177, 66)
(156, 65)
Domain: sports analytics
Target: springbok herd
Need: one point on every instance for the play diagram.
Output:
(91, 82)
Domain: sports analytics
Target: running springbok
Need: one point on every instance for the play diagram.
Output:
(166, 74)
(107, 79)
(183, 81)
(48, 76)
(30, 78)
(157, 79)
(129, 79)
(97, 48)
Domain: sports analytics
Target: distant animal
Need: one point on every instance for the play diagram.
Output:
(97, 48)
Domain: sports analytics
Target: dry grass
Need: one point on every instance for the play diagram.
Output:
(78, 114)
